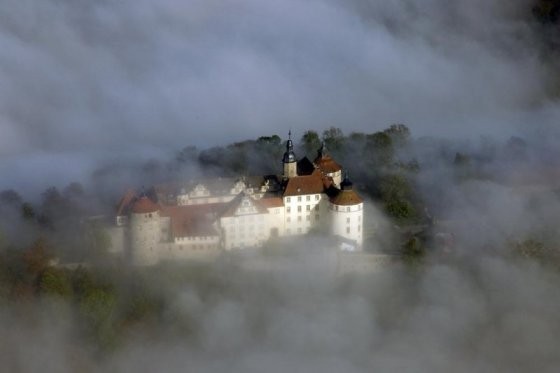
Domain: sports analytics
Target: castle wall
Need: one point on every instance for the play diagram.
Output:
(144, 238)
(250, 230)
(192, 247)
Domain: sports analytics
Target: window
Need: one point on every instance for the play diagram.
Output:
(288, 209)
(347, 229)
(316, 197)
(348, 209)
(299, 218)
(299, 209)
(308, 198)
(288, 199)
(299, 199)
(348, 220)
(359, 227)
(317, 217)
(308, 218)
(308, 207)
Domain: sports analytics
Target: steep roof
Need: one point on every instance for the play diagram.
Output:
(307, 184)
(123, 208)
(326, 164)
(346, 197)
(233, 206)
(305, 166)
(144, 205)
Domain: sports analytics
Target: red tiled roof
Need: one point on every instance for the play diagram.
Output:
(346, 198)
(124, 205)
(192, 220)
(308, 184)
(326, 164)
(271, 202)
(144, 205)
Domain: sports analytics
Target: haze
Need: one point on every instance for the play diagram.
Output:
(103, 79)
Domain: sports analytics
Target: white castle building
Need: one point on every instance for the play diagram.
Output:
(206, 217)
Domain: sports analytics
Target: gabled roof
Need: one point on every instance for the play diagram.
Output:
(216, 186)
(307, 184)
(326, 164)
(235, 204)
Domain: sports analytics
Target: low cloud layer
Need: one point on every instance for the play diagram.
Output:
(106, 77)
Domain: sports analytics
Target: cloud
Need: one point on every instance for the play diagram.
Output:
(81, 76)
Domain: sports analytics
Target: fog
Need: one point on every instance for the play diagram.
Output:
(86, 80)
(107, 86)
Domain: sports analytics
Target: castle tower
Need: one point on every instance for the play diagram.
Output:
(346, 210)
(328, 166)
(144, 232)
(289, 160)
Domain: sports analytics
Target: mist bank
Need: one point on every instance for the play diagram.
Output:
(83, 80)
(487, 312)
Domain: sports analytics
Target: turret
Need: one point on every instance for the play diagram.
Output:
(144, 232)
(289, 160)
(346, 210)
(328, 166)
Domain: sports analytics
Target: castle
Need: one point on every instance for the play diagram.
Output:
(206, 217)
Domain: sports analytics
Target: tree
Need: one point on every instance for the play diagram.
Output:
(189, 154)
(310, 142)
(27, 211)
(396, 193)
(399, 133)
(333, 138)
(11, 198)
(37, 257)
(379, 149)
(55, 282)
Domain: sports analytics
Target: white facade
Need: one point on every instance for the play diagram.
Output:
(347, 222)
(304, 212)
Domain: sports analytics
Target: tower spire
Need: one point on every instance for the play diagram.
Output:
(289, 159)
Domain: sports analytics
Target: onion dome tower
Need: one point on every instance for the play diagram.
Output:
(289, 160)
(144, 232)
(346, 210)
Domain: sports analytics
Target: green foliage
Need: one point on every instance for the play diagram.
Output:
(547, 11)
(97, 307)
(396, 193)
(310, 142)
(27, 211)
(399, 134)
(413, 251)
(334, 139)
(55, 282)
(379, 149)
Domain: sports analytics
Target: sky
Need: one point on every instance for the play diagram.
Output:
(86, 81)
